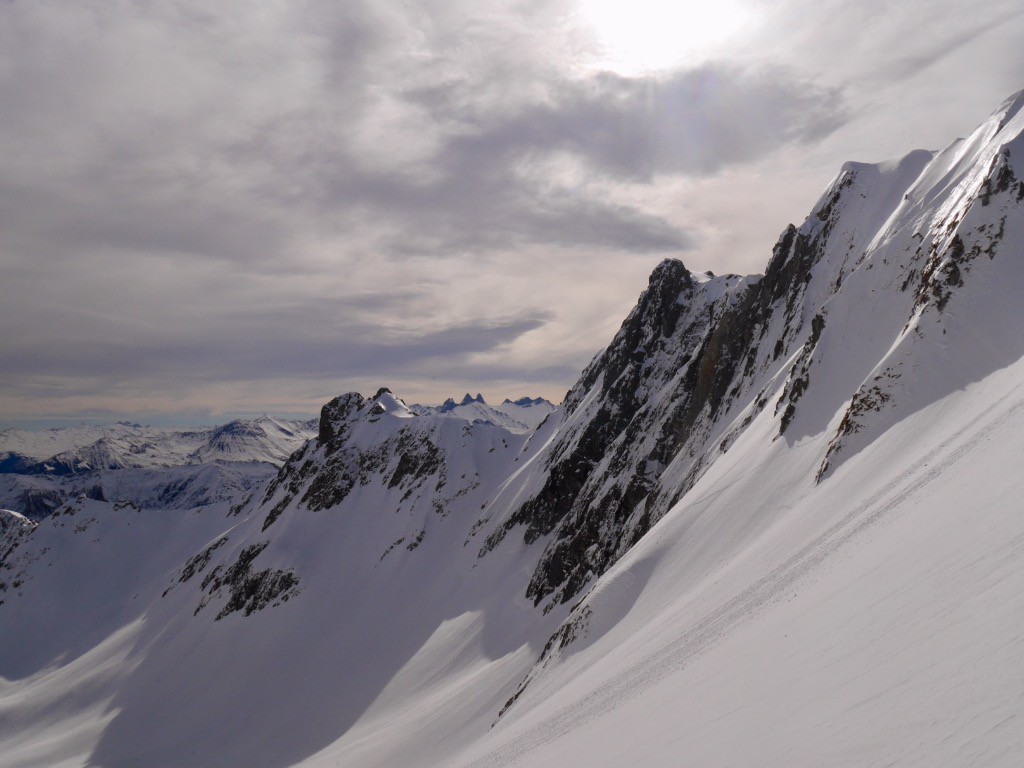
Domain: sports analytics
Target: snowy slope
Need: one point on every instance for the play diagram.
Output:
(875, 619)
(809, 600)
(776, 522)
(392, 496)
(40, 444)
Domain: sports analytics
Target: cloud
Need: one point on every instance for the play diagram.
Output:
(176, 179)
(216, 134)
(892, 43)
(692, 122)
(296, 342)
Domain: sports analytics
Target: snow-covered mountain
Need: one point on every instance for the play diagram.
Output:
(73, 450)
(149, 466)
(521, 415)
(262, 439)
(776, 522)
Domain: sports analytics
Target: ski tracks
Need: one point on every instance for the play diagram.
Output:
(768, 590)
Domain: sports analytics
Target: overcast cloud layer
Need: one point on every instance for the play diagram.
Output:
(212, 209)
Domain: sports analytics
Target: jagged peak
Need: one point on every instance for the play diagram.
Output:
(527, 402)
(667, 283)
(336, 414)
(669, 270)
(385, 401)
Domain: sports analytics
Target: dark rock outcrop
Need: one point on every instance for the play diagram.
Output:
(654, 398)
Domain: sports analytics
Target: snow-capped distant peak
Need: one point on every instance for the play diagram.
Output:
(74, 450)
(522, 415)
(526, 402)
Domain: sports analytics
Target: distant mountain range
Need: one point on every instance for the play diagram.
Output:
(149, 466)
(73, 450)
(180, 468)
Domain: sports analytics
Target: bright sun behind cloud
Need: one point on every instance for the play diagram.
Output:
(643, 35)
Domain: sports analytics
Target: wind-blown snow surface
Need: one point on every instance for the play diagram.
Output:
(777, 522)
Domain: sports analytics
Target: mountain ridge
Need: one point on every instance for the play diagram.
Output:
(737, 519)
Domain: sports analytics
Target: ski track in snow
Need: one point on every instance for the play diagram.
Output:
(761, 595)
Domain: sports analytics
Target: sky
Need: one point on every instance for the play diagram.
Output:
(217, 209)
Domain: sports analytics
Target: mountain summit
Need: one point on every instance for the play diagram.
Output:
(776, 520)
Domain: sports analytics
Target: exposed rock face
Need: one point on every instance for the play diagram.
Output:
(636, 407)
(38, 503)
(409, 564)
(645, 412)
(335, 417)
(699, 356)
(248, 590)
(13, 529)
(694, 362)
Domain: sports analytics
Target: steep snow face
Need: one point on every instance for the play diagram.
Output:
(874, 617)
(776, 521)
(899, 294)
(952, 245)
(863, 292)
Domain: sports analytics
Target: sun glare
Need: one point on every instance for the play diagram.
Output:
(642, 35)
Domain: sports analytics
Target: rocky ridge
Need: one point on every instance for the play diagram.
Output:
(694, 363)
(471, 531)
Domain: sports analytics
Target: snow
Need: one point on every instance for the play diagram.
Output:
(16, 515)
(844, 591)
(860, 626)
(522, 416)
(157, 468)
(121, 445)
